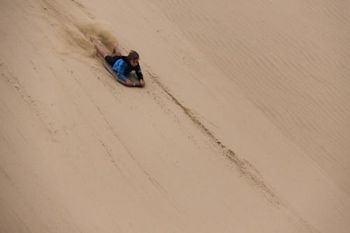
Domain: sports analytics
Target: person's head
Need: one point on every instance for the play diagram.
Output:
(133, 58)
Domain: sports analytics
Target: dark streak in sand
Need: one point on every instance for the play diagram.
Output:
(243, 166)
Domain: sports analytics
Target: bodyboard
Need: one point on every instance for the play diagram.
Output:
(132, 77)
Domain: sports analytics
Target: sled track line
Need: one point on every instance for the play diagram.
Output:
(244, 167)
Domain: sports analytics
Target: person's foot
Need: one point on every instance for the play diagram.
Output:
(116, 52)
(142, 83)
(93, 39)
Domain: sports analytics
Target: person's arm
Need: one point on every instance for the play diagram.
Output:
(139, 72)
(139, 75)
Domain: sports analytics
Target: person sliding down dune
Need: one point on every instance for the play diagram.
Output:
(121, 65)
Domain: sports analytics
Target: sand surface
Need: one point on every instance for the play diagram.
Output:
(243, 126)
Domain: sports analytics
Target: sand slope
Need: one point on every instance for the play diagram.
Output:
(243, 125)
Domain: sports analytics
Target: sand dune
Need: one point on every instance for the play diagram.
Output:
(243, 125)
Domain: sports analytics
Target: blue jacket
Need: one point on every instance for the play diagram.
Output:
(123, 69)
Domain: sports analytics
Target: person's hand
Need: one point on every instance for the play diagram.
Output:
(128, 82)
(142, 83)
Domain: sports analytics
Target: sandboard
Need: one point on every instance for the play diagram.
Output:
(132, 77)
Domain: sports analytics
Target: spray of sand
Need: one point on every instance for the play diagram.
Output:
(80, 36)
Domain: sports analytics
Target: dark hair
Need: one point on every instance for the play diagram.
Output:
(133, 55)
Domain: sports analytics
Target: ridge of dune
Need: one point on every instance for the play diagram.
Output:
(242, 125)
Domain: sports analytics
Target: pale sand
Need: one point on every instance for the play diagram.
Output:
(243, 125)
